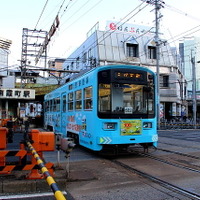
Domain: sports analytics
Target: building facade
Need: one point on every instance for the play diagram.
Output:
(12, 100)
(189, 49)
(135, 45)
(190, 67)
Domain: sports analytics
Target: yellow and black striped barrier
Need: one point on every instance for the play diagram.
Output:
(57, 193)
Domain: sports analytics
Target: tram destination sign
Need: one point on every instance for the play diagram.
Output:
(128, 75)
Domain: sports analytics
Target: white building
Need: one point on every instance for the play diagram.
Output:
(133, 44)
(189, 50)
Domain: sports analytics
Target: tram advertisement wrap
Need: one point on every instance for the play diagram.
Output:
(131, 127)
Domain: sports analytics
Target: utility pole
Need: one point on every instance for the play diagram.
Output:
(194, 99)
(158, 5)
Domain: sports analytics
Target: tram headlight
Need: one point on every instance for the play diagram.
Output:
(109, 126)
(147, 124)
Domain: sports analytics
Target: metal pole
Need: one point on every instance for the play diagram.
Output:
(158, 5)
(58, 159)
(194, 100)
(157, 61)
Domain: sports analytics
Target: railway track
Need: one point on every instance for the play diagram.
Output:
(179, 153)
(165, 184)
(180, 145)
(176, 163)
(175, 159)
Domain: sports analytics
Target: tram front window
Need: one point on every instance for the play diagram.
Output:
(126, 100)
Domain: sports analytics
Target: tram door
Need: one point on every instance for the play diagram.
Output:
(63, 113)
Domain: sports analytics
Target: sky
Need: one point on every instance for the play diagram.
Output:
(77, 17)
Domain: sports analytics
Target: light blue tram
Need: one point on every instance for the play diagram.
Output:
(106, 109)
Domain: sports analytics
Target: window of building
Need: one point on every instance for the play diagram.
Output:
(72, 65)
(88, 98)
(9, 93)
(84, 59)
(132, 50)
(90, 57)
(1, 92)
(70, 101)
(151, 52)
(78, 103)
(77, 62)
(165, 81)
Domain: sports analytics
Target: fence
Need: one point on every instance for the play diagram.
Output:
(179, 124)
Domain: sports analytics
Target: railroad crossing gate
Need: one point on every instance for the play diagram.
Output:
(24, 159)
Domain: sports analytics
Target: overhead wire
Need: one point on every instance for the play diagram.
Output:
(66, 8)
(185, 33)
(41, 13)
(119, 22)
(86, 12)
(31, 35)
(63, 1)
(113, 31)
(47, 20)
(102, 38)
(181, 12)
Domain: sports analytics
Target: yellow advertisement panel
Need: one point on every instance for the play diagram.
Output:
(131, 127)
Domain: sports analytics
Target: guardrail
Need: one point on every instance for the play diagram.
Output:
(178, 125)
(57, 193)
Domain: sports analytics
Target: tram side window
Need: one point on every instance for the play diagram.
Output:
(88, 98)
(51, 105)
(46, 106)
(57, 104)
(104, 97)
(54, 105)
(78, 103)
(64, 105)
(70, 101)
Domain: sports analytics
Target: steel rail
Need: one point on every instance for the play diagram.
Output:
(163, 183)
(168, 162)
(179, 153)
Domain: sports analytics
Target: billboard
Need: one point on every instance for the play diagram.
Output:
(129, 28)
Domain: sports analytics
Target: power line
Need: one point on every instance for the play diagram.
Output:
(66, 8)
(94, 44)
(82, 14)
(181, 12)
(41, 13)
